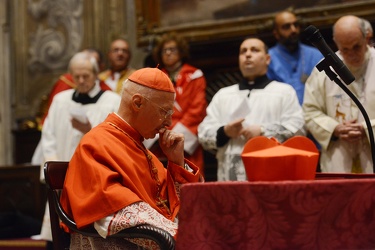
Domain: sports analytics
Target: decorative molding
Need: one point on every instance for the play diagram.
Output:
(53, 44)
(149, 22)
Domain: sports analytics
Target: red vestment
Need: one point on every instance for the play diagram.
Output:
(110, 170)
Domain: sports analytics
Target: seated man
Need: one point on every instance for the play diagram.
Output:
(63, 128)
(113, 182)
(172, 52)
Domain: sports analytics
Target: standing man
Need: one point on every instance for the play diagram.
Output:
(330, 115)
(291, 61)
(131, 185)
(66, 82)
(72, 114)
(253, 107)
(119, 56)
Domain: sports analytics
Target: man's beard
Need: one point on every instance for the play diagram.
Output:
(291, 43)
(359, 71)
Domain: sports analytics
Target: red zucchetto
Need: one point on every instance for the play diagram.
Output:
(153, 78)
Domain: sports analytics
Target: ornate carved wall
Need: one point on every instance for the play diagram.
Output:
(47, 36)
(38, 37)
(43, 35)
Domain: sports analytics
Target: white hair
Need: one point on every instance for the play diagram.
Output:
(368, 27)
(81, 57)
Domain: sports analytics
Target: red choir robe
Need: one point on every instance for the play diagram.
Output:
(110, 171)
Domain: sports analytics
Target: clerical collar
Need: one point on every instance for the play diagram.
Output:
(259, 83)
(95, 90)
(91, 97)
(122, 119)
(131, 131)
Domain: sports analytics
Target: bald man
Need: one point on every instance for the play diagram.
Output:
(130, 181)
(73, 113)
(331, 116)
(119, 56)
(291, 61)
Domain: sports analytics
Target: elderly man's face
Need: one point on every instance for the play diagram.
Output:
(351, 41)
(119, 55)
(83, 76)
(353, 47)
(156, 113)
(253, 59)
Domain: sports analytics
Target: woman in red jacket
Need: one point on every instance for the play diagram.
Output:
(171, 53)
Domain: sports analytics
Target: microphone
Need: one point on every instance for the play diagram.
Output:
(315, 38)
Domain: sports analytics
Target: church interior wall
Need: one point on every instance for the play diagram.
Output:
(39, 37)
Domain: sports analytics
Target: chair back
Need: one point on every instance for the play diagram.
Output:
(55, 172)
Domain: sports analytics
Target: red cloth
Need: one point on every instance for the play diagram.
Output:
(110, 171)
(65, 82)
(324, 214)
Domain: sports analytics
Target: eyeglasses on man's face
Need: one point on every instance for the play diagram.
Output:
(170, 50)
(167, 113)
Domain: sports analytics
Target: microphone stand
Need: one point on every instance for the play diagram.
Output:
(324, 65)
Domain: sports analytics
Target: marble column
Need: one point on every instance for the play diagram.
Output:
(5, 93)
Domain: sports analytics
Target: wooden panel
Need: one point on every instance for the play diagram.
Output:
(22, 191)
(25, 142)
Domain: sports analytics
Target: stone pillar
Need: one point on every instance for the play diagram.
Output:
(5, 93)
